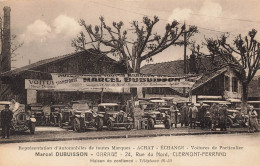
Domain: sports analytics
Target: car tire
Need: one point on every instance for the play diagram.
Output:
(60, 122)
(110, 125)
(100, 123)
(167, 124)
(77, 125)
(150, 124)
(229, 123)
(32, 128)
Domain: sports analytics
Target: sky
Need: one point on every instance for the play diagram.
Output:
(46, 27)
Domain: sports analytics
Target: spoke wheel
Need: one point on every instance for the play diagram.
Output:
(150, 124)
(100, 123)
(167, 123)
(110, 125)
(77, 125)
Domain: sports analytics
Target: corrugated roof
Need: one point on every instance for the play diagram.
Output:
(44, 62)
(203, 64)
(165, 68)
(207, 77)
(254, 87)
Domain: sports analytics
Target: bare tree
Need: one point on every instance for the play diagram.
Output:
(131, 48)
(243, 55)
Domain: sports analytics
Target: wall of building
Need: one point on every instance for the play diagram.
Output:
(231, 90)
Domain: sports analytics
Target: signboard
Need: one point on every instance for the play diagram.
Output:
(36, 84)
(71, 81)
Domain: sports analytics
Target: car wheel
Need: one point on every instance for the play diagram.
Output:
(100, 123)
(110, 125)
(229, 122)
(167, 123)
(60, 122)
(150, 124)
(77, 125)
(32, 128)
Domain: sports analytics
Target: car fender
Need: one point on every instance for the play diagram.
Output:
(33, 120)
(230, 116)
(111, 118)
(100, 115)
(77, 116)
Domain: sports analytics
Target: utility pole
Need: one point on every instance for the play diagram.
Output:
(185, 46)
(185, 56)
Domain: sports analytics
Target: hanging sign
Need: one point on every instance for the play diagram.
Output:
(37, 84)
(71, 81)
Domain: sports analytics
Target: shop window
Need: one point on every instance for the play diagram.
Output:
(227, 83)
(234, 84)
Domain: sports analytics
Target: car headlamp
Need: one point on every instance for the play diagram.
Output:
(82, 115)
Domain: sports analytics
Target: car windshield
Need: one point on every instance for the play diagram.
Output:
(80, 106)
(109, 108)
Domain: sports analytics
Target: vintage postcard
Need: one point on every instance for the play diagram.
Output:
(129, 82)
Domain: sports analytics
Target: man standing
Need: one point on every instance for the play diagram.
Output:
(174, 111)
(184, 115)
(193, 113)
(6, 117)
(201, 115)
(223, 117)
(214, 110)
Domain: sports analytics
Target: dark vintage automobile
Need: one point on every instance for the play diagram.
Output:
(80, 117)
(22, 120)
(54, 114)
(37, 112)
(236, 119)
(156, 112)
(114, 117)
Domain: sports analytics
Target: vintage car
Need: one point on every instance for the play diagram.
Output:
(54, 114)
(156, 112)
(236, 119)
(80, 117)
(37, 112)
(22, 120)
(114, 117)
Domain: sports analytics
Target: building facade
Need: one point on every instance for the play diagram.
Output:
(33, 83)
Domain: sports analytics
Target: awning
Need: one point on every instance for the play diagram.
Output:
(253, 102)
(234, 100)
(215, 101)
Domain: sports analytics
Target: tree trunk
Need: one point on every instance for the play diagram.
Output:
(134, 96)
(244, 96)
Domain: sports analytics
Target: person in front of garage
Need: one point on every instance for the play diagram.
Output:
(223, 117)
(214, 115)
(201, 115)
(193, 115)
(6, 118)
(253, 123)
(174, 115)
(183, 114)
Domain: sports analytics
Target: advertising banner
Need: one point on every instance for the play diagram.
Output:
(71, 81)
(37, 84)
